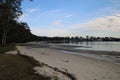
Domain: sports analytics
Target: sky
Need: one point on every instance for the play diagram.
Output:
(72, 17)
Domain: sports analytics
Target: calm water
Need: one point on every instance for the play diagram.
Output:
(101, 46)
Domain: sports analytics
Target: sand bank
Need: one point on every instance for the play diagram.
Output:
(83, 68)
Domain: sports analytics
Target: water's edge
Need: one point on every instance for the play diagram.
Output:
(113, 57)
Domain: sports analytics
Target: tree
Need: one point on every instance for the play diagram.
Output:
(87, 38)
(9, 10)
(19, 32)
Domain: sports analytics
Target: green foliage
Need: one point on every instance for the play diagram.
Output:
(11, 30)
(9, 10)
(17, 67)
(19, 32)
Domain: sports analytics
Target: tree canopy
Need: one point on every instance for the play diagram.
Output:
(10, 29)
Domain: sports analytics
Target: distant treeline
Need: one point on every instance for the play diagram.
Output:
(76, 39)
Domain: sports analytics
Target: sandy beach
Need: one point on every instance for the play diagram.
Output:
(83, 68)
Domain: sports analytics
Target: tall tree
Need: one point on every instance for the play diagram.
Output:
(9, 10)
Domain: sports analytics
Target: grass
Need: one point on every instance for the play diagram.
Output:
(6, 48)
(18, 67)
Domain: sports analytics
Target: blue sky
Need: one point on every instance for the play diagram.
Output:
(72, 17)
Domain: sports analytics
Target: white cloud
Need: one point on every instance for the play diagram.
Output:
(50, 32)
(55, 14)
(69, 16)
(27, 13)
(50, 13)
(32, 10)
(103, 26)
(115, 1)
(109, 23)
(57, 23)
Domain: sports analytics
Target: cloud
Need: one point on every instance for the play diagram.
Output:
(102, 26)
(69, 16)
(27, 13)
(50, 32)
(32, 10)
(115, 1)
(106, 11)
(109, 23)
(55, 14)
(57, 23)
(50, 13)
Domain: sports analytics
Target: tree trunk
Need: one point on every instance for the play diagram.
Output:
(4, 38)
(4, 35)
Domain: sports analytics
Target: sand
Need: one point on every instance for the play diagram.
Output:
(83, 68)
(11, 52)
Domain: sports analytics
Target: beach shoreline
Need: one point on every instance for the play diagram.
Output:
(83, 68)
(110, 56)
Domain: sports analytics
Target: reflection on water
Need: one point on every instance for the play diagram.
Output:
(101, 46)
